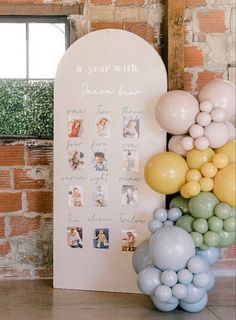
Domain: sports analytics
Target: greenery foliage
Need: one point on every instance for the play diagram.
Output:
(26, 108)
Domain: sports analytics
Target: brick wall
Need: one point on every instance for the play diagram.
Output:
(26, 166)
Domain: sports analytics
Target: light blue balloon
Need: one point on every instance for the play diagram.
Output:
(194, 307)
(160, 214)
(179, 291)
(211, 255)
(173, 300)
(163, 293)
(141, 257)
(154, 225)
(185, 276)
(168, 223)
(164, 306)
(194, 294)
(201, 280)
(169, 278)
(212, 280)
(149, 280)
(197, 264)
(174, 214)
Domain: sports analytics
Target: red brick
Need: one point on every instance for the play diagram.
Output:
(101, 1)
(12, 155)
(205, 76)
(22, 225)
(129, 2)
(24, 179)
(192, 57)
(106, 25)
(231, 252)
(142, 29)
(5, 179)
(188, 81)
(39, 201)
(212, 21)
(46, 272)
(12, 273)
(10, 201)
(39, 155)
(5, 248)
(195, 3)
(2, 227)
(225, 264)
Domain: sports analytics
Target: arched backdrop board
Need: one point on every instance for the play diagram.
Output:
(112, 78)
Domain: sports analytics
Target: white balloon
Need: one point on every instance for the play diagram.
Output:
(203, 119)
(231, 131)
(187, 143)
(217, 134)
(222, 94)
(171, 248)
(196, 131)
(174, 145)
(206, 106)
(201, 143)
(218, 115)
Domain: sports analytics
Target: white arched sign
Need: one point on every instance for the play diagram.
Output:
(106, 89)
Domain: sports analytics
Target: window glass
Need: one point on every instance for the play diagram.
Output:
(46, 47)
(13, 50)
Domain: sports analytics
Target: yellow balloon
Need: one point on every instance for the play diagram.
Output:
(192, 188)
(184, 193)
(208, 170)
(165, 172)
(193, 175)
(229, 149)
(196, 158)
(206, 184)
(224, 185)
(220, 160)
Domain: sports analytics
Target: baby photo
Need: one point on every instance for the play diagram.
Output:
(130, 160)
(76, 159)
(101, 238)
(129, 196)
(75, 196)
(128, 239)
(103, 127)
(131, 126)
(75, 237)
(100, 162)
(74, 127)
(99, 195)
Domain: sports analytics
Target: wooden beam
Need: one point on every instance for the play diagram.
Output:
(174, 43)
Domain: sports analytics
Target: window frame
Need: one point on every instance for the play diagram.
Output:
(37, 19)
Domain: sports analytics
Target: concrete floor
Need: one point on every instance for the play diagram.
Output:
(37, 300)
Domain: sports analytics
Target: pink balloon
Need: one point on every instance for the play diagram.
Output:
(187, 143)
(217, 134)
(222, 94)
(203, 119)
(174, 145)
(206, 106)
(231, 131)
(176, 111)
(201, 143)
(196, 131)
(218, 115)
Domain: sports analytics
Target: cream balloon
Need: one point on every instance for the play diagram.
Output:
(222, 94)
(217, 134)
(174, 145)
(176, 111)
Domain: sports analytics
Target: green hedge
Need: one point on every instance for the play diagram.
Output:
(26, 108)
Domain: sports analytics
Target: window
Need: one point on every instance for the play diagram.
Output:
(31, 48)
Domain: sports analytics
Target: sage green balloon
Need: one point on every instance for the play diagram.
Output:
(181, 203)
(223, 210)
(185, 222)
(197, 238)
(233, 212)
(203, 247)
(229, 224)
(215, 224)
(226, 238)
(202, 205)
(211, 238)
(200, 225)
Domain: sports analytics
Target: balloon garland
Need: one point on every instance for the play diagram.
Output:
(173, 266)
